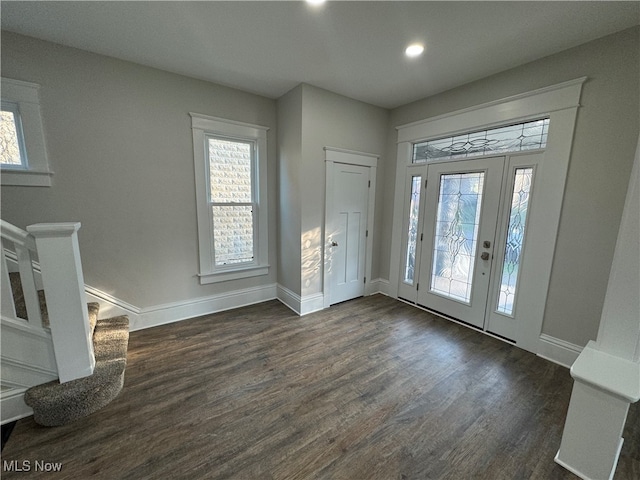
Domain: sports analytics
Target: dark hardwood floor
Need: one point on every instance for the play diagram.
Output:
(368, 389)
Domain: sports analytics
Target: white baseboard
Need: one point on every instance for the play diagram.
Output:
(377, 285)
(311, 303)
(111, 306)
(300, 305)
(176, 311)
(289, 298)
(558, 351)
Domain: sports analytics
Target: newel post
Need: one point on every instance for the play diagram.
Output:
(63, 281)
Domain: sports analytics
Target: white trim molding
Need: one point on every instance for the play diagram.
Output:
(301, 306)
(203, 128)
(560, 104)
(111, 306)
(377, 285)
(289, 298)
(184, 310)
(36, 172)
(558, 351)
(542, 101)
(12, 405)
(351, 157)
(311, 303)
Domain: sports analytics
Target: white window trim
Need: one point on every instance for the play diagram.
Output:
(36, 172)
(203, 126)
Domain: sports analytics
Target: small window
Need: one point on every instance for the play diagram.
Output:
(12, 151)
(23, 156)
(230, 163)
(530, 135)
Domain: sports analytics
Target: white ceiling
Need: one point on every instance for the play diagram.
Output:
(351, 48)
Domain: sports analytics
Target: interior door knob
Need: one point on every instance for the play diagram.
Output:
(334, 244)
(485, 256)
(486, 244)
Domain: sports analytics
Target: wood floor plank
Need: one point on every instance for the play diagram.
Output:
(368, 389)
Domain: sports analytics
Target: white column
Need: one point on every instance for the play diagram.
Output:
(607, 372)
(63, 281)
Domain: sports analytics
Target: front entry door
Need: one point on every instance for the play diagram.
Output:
(349, 237)
(461, 205)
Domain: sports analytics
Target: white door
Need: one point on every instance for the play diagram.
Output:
(465, 249)
(461, 211)
(349, 236)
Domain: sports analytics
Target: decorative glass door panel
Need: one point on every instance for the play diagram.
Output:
(460, 215)
(412, 228)
(514, 243)
(516, 250)
(412, 231)
(456, 237)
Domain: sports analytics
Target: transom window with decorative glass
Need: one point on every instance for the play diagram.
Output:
(531, 135)
(230, 161)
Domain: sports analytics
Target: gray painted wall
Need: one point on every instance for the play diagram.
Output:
(309, 119)
(332, 120)
(606, 136)
(119, 141)
(289, 193)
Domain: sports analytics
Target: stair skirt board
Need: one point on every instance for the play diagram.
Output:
(56, 404)
(13, 406)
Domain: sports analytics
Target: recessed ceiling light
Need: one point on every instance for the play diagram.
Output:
(315, 2)
(414, 50)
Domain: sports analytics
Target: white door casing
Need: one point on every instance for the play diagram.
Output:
(557, 102)
(350, 196)
(493, 287)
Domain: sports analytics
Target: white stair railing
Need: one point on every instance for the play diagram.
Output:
(56, 248)
(22, 244)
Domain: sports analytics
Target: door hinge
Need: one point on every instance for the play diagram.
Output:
(366, 233)
(425, 183)
(421, 236)
(365, 279)
(369, 184)
(417, 287)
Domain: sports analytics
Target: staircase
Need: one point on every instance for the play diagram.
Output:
(59, 361)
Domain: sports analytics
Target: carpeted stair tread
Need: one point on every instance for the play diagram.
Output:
(110, 339)
(94, 310)
(56, 404)
(21, 306)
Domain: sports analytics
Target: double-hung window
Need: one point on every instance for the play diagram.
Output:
(230, 165)
(23, 157)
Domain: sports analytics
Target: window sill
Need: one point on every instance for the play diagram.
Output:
(235, 274)
(25, 178)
